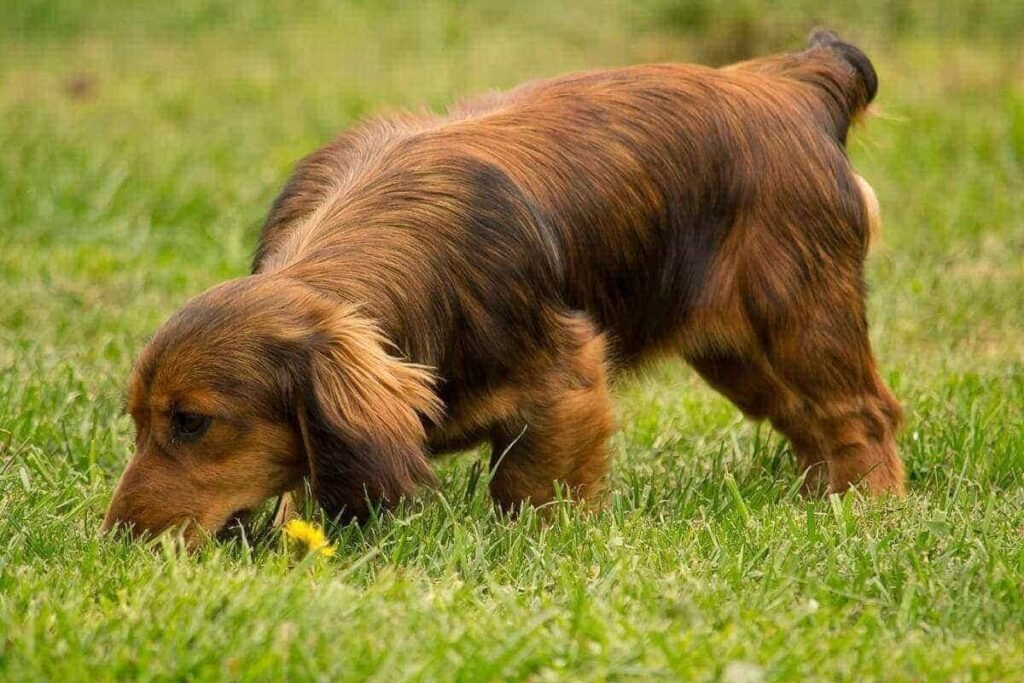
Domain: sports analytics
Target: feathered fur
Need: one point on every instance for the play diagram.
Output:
(425, 283)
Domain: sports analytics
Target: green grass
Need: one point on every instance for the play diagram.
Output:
(146, 187)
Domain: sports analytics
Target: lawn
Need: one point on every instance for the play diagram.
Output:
(141, 144)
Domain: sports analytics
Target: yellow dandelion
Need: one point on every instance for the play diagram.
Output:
(310, 536)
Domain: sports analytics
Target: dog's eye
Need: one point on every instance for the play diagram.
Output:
(188, 426)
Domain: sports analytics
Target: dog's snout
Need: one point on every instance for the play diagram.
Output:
(111, 521)
(140, 502)
(118, 515)
(120, 518)
(117, 520)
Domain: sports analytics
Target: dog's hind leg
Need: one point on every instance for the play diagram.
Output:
(846, 414)
(560, 430)
(824, 394)
(836, 409)
(791, 298)
(754, 388)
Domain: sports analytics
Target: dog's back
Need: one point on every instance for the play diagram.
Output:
(613, 191)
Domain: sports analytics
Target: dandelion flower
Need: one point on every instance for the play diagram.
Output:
(306, 535)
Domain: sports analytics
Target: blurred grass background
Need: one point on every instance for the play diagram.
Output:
(140, 146)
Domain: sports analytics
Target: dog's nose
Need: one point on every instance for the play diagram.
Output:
(115, 520)
(136, 503)
(127, 514)
(137, 526)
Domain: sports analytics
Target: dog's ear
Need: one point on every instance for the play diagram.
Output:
(362, 419)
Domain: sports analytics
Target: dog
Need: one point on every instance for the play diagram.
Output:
(427, 283)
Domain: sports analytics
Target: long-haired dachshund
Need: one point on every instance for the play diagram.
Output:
(427, 283)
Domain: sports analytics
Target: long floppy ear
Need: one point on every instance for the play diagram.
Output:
(362, 419)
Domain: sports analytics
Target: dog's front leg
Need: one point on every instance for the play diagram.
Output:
(560, 430)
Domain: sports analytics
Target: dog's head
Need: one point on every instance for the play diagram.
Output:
(255, 385)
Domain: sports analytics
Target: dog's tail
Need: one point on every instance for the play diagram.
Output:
(856, 78)
(850, 80)
(844, 73)
(840, 75)
(840, 84)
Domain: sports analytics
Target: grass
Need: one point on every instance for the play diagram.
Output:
(141, 146)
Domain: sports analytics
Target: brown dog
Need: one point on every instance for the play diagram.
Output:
(426, 283)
